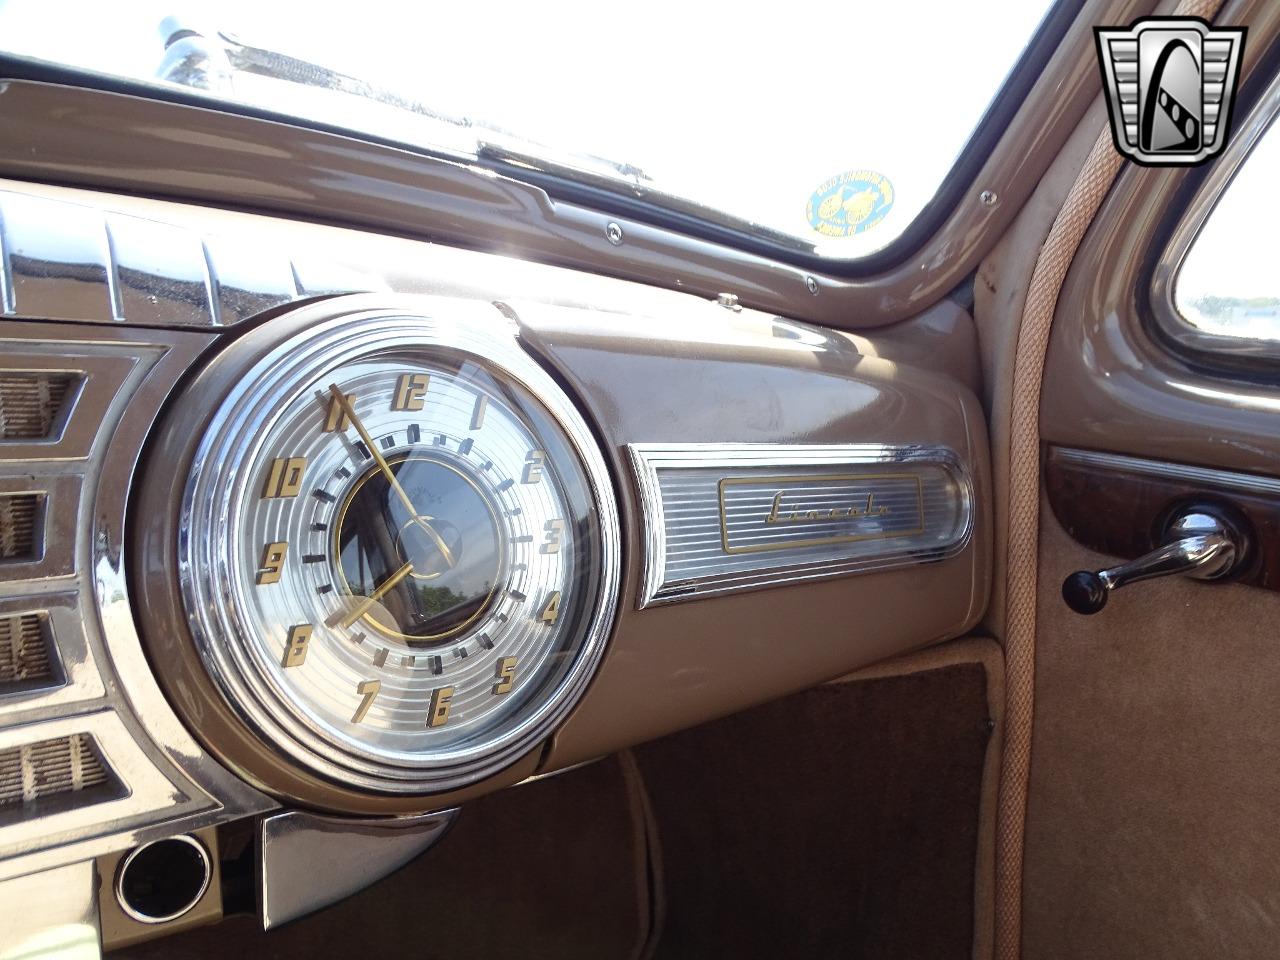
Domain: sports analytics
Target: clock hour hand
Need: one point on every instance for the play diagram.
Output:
(360, 609)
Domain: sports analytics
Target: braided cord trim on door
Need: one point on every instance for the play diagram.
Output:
(1078, 210)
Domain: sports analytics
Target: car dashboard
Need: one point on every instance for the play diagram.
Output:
(222, 604)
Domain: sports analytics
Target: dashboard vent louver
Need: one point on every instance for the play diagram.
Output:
(18, 513)
(47, 777)
(26, 657)
(31, 404)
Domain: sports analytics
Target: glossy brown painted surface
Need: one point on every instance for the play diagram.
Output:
(1108, 384)
(112, 141)
(673, 666)
(1123, 514)
(650, 377)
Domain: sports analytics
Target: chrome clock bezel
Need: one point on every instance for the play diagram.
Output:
(206, 547)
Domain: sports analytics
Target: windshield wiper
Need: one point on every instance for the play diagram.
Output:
(195, 60)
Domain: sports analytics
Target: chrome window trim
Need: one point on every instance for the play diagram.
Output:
(1174, 327)
(647, 459)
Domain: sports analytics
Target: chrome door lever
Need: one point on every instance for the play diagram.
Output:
(1199, 544)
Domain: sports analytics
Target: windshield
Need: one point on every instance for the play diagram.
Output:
(825, 126)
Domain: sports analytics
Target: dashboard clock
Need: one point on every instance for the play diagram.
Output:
(396, 544)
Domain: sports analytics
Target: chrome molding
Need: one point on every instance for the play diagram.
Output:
(147, 789)
(1210, 477)
(720, 518)
(107, 690)
(1170, 323)
(66, 261)
(307, 861)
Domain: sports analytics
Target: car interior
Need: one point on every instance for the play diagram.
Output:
(639, 483)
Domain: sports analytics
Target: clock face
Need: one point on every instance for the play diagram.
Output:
(399, 554)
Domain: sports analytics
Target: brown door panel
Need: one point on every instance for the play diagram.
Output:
(1153, 772)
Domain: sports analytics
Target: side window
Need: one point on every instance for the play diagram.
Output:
(1229, 283)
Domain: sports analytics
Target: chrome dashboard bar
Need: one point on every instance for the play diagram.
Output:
(66, 262)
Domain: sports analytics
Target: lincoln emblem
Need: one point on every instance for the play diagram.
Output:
(852, 512)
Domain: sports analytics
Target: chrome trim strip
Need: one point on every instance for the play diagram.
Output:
(1170, 323)
(1201, 476)
(650, 461)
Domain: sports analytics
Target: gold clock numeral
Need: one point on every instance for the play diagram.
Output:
(506, 673)
(285, 478)
(273, 555)
(477, 415)
(338, 419)
(551, 542)
(295, 647)
(441, 698)
(368, 689)
(533, 466)
(410, 389)
(551, 609)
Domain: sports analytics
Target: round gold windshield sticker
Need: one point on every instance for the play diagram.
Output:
(850, 203)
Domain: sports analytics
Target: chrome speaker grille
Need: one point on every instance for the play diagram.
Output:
(31, 404)
(18, 514)
(25, 659)
(67, 769)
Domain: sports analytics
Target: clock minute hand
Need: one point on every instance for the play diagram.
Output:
(341, 399)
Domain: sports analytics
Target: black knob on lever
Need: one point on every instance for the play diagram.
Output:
(1085, 592)
(1200, 544)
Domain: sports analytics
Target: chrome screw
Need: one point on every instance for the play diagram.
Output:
(812, 285)
(988, 198)
(614, 232)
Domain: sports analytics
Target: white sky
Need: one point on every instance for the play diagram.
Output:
(1234, 256)
(744, 106)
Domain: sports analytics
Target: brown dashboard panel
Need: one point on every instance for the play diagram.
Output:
(745, 381)
(646, 368)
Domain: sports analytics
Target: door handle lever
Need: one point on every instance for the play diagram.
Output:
(1198, 543)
